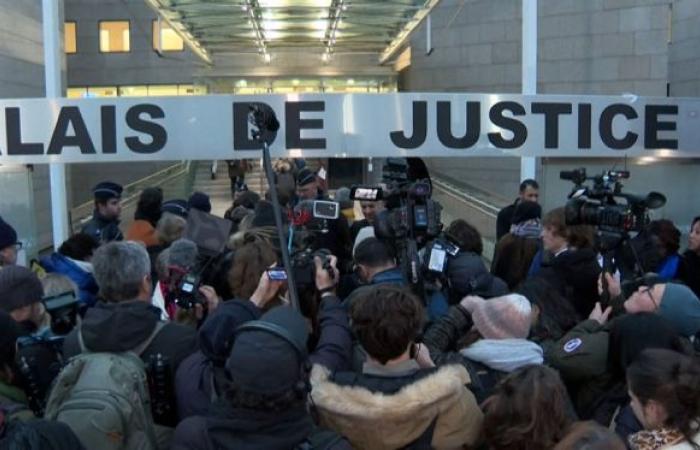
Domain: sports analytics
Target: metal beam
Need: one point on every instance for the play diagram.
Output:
(407, 30)
(181, 31)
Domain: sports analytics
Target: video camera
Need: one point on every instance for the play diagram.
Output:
(411, 218)
(63, 309)
(597, 204)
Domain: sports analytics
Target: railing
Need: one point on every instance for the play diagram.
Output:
(82, 213)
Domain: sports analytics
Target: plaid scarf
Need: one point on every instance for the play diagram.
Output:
(655, 439)
(530, 229)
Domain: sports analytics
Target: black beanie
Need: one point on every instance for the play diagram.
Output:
(525, 211)
(19, 287)
(264, 215)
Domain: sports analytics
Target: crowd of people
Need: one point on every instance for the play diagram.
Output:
(135, 338)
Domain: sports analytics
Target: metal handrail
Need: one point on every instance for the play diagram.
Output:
(131, 193)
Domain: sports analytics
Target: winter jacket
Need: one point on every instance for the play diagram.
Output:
(37, 435)
(357, 226)
(487, 361)
(504, 219)
(119, 327)
(669, 267)
(574, 274)
(103, 230)
(509, 250)
(230, 428)
(87, 286)
(689, 271)
(13, 403)
(142, 231)
(198, 380)
(389, 276)
(389, 412)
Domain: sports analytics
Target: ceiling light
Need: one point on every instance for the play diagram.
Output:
(295, 82)
(351, 81)
(267, 57)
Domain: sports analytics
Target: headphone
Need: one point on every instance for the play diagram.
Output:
(303, 386)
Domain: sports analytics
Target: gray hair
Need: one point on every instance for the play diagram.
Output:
(170, 228)
(183, 253)
(56, 284)
(119, 269)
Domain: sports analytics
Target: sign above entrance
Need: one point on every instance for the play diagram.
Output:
(35, 131)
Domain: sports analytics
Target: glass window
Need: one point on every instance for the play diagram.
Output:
(69, 40)
(162, 90)
(102, 91)
(114, 36)
(76, 92)
(133, 91)
(169, 40)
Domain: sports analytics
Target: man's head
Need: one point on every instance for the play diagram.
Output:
(267, 361)
(123, 272)
(529, 190)
(200, 201)
(370, 209)
(21, 294)
(8, 244)
(556, 234)
(307, 184)
(675, 302)
(387, 319)
(108, 199)
(466, 236)
(371, 257)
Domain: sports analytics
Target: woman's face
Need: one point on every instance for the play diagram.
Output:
(652, 415)
(551, 241)
(694, 238)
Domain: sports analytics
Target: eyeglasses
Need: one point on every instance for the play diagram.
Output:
(648, 292)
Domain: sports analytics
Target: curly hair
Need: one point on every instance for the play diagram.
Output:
(249, 263)
(529, 410)
(386, 319)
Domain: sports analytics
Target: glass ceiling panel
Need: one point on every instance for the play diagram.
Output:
(325, 27)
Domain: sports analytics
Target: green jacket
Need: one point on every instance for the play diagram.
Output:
(582, 354)
(14, 403)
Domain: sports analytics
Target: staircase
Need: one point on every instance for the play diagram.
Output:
(219, 187)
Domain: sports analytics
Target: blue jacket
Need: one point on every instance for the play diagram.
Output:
(57, 263)
(391, 276)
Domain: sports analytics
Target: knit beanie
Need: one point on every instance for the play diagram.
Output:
(19, 287)
(342, 196)
(200, 201)
(507, 317)
(681, 307)
(8, 235)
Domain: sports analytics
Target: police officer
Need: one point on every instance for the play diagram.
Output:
(104, 225)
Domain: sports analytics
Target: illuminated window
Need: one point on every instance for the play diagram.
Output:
(114, 36)
(69, 41)
(162, 90)
(76, 92)
(102, 91)
(169, 40)
(133, 91)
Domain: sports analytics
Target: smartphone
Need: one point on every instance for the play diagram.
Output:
(326, 210)
(277, 274)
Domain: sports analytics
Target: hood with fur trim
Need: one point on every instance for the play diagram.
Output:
(378, 421)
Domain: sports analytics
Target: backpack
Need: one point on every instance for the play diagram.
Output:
(104, 398)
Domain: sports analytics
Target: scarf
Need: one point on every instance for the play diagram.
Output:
(505, 355)
(530, 229)
(655, 439)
